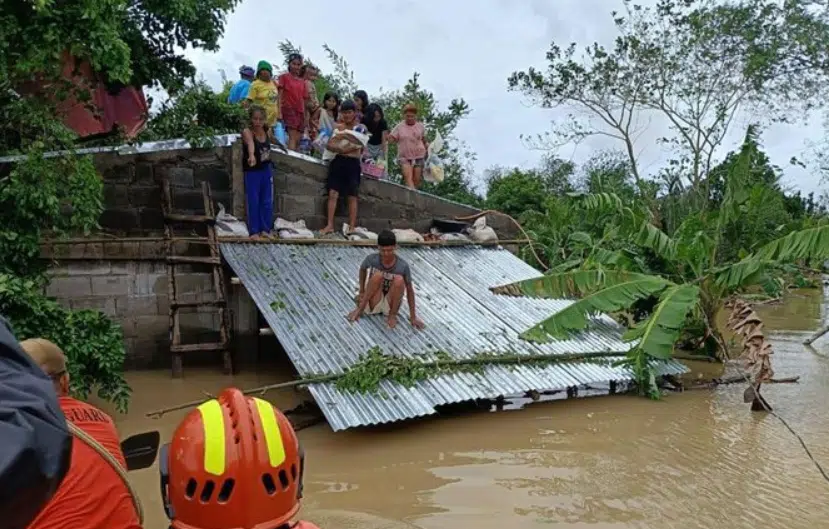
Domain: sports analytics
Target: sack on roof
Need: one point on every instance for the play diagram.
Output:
(408, 236)
(359, 234)
(292, 230)
(480, 232)
(229, 226)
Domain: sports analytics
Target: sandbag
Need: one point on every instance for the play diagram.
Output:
(359, 234)
(408, 235)
(229, 226)
(480, 232)
(292, 230)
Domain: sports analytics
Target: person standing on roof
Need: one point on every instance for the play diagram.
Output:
(264, 92)
(344, 171)
(258, 170)
(239, 91)
(412, 148)
(35, 443)
(384, 278)
(93, 494)
(235, 462)
(293, 97)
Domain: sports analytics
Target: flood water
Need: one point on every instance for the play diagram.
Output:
(695, 460)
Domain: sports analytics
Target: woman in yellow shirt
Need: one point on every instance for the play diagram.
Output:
(264, 92)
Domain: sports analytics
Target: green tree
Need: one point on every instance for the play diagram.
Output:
(690, 286)
(126, 43)
(696, 63)
(197, 114)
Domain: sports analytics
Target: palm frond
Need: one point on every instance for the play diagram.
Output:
(565, 266)
(658, 334)
(562, 285)
(603, 202)
(611, 299)
(740, 274)
(812, 243)
(651, 237)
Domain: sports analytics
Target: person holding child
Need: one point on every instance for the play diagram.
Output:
(344, 170)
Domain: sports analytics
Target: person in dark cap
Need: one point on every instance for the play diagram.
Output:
(35, 443)
(239, 91)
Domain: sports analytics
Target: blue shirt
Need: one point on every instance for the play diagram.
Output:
(239, 91)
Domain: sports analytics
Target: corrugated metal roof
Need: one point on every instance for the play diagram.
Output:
(314, 287)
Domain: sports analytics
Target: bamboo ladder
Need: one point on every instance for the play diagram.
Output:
(219, 302)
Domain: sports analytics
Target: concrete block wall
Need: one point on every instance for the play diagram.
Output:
(132, 186)
(134, 294)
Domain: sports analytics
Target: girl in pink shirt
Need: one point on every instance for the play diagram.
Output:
(410, 137)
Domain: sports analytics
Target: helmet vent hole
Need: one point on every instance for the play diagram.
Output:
(207, 491)
(226, 490)
(283, 480)
(190, 490)
(237, 438)
(293, 472)
(270, 486)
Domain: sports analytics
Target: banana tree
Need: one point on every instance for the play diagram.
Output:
(691, 285)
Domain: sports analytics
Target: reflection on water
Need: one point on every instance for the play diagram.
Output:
(695, 460)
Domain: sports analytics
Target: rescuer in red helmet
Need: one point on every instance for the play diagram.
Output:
(234, 463)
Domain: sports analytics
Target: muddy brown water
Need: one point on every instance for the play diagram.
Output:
(695, 460)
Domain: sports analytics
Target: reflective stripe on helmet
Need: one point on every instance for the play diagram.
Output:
(214, 437)
(273, 437)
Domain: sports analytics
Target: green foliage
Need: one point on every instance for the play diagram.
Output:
(667, 286)
(374, 367)
(196, 114)
(45, 195)
(93, 344)
(669, 60)
(55, 196)
(137, 43)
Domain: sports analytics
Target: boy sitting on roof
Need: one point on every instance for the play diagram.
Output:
(383, 278)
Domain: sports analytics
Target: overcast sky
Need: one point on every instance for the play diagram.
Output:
(462, 49)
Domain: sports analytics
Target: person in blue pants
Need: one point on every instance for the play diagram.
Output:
(256, 163)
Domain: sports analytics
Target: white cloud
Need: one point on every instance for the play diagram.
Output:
(462, 49)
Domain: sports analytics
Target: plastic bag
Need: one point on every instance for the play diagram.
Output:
(280, 133)
(292, 230)
(480, 232)
(229, 226)
(433, 171)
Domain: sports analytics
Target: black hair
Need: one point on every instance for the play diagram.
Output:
(335, 97)
(347, 105)
(363, 97)
(368, 113)
(292, 57)
(386, 238)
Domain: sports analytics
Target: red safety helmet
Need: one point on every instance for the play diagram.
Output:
(233, 463)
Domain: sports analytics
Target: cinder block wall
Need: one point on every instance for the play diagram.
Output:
(126, 277)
